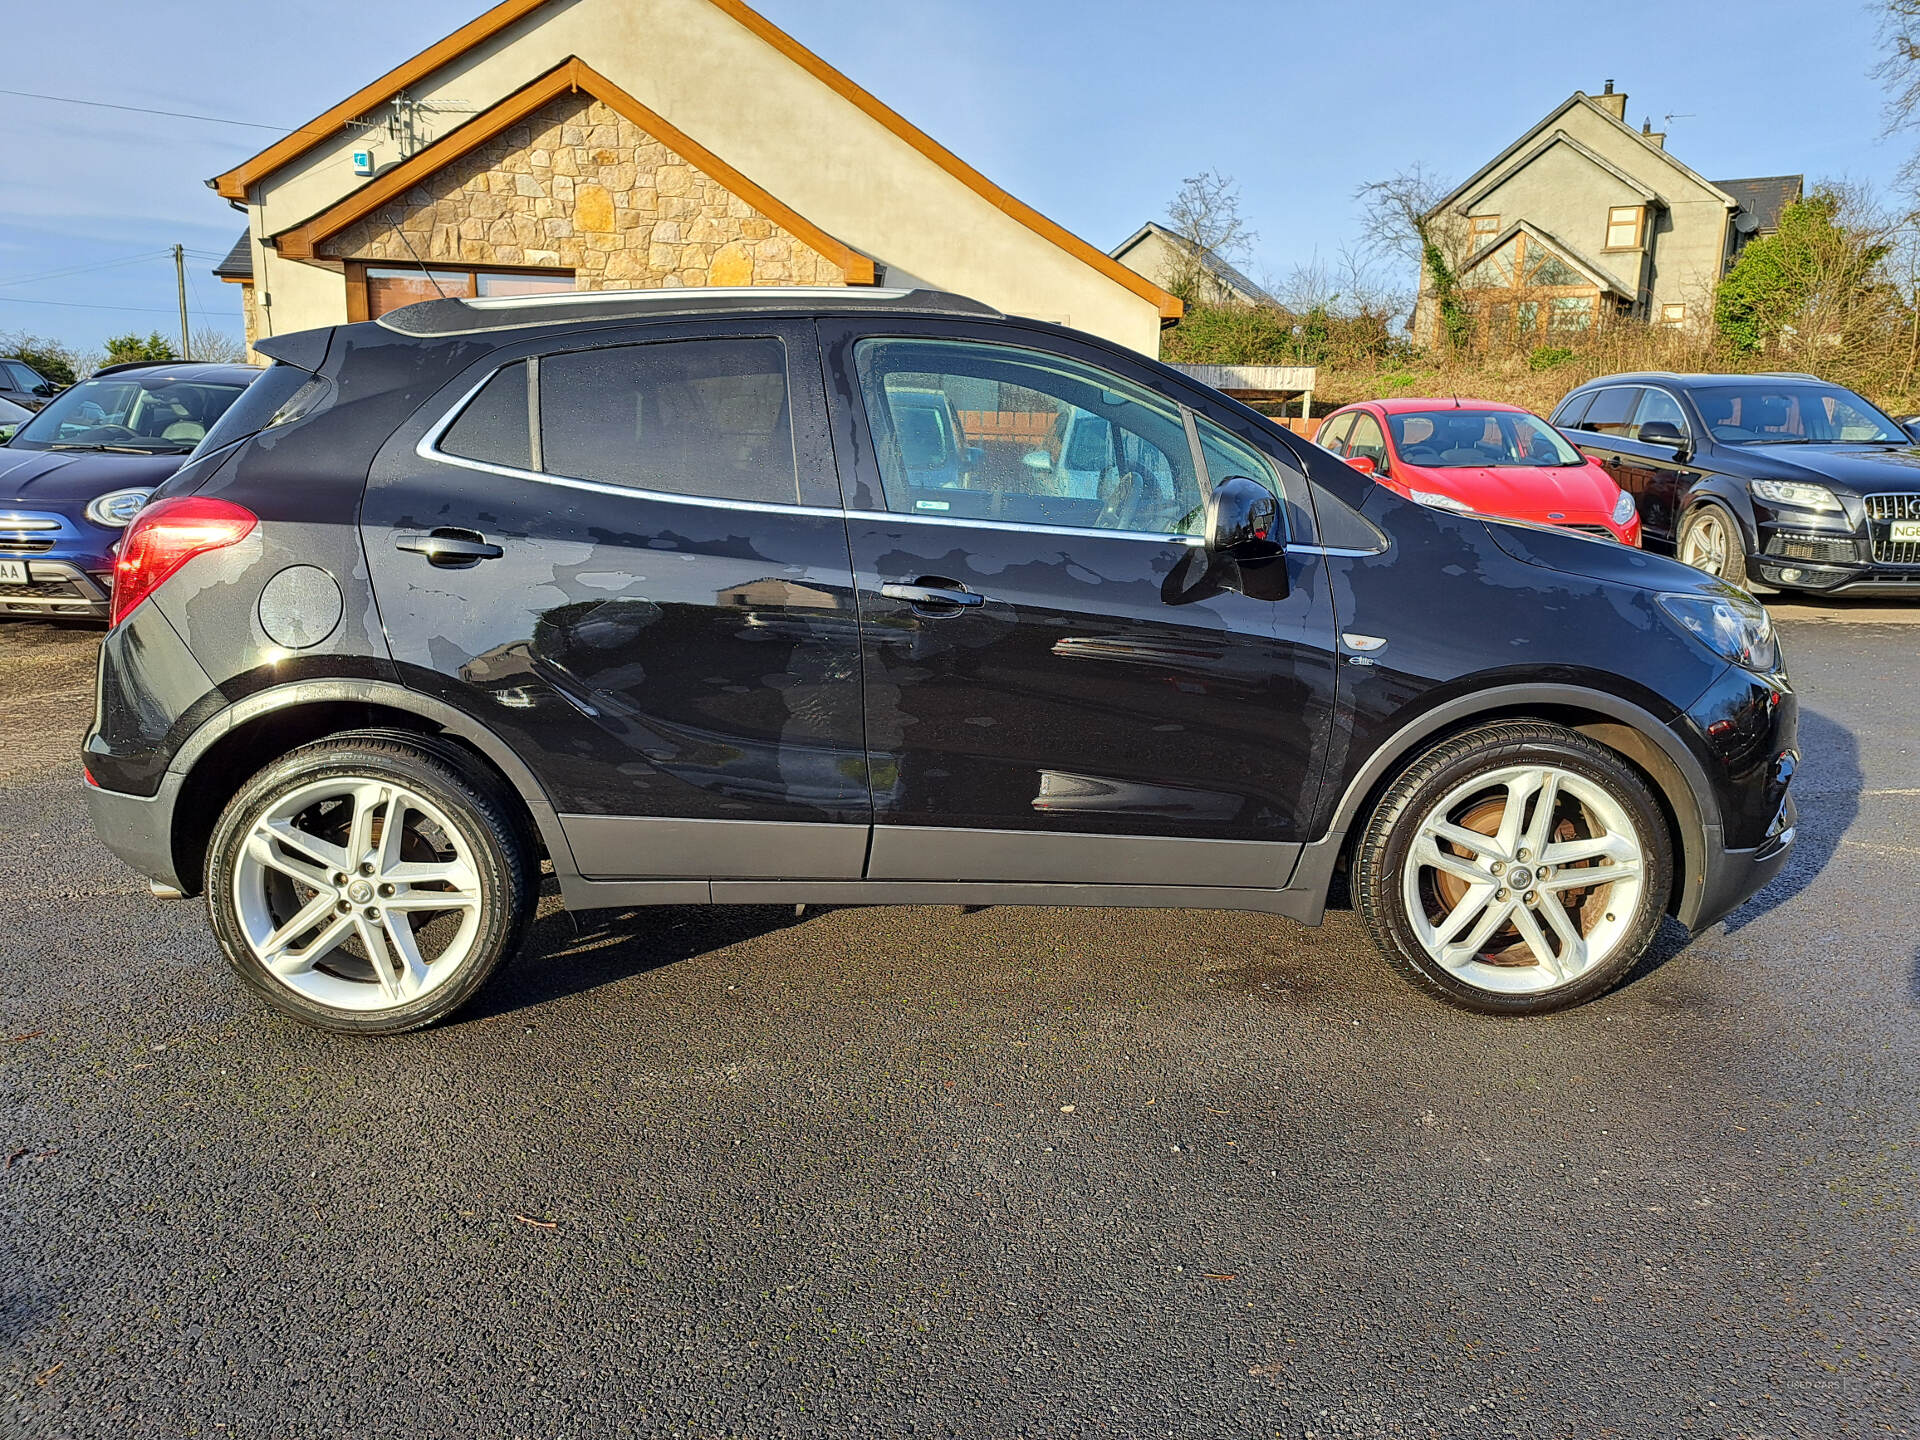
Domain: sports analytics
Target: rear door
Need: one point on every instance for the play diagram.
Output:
(1055, 690)
(1603, 434)
(625, 553)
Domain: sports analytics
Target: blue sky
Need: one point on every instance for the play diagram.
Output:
(1091, 110)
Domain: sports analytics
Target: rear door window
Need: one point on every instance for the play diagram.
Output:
(1571, 410)
(1333, 434)
(495, 428)
(1612, 410)
(707, 418)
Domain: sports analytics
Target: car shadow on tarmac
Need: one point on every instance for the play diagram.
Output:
(559, 960)
(1827, 792)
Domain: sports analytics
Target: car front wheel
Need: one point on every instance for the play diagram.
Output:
(1516, 869)
(368, 884)
(1711, 540)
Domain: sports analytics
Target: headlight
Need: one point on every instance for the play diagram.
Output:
(1735, 627)
(1793, 492)
(1441, 502)
(1623, 509)
(117, 508)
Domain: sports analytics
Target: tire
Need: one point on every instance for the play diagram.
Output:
(1712, 541)
(1444, 918)
(334, 926)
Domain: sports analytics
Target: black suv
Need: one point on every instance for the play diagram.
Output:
(884, 597)
(24, 385)
(1783, 479)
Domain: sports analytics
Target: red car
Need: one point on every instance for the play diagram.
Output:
(1481, 458)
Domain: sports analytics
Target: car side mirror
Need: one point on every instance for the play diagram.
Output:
(1243, 541)
(1240, 513)
(1037, 460)
(1665, 432)
(1365, 464)
(46, 387)
(1913, 430)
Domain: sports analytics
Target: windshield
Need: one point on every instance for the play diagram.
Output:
(1792, 412)
(146, 413)
(1450, 439)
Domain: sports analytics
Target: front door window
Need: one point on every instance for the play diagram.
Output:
(990, 432)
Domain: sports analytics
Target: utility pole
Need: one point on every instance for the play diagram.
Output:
(180, 274)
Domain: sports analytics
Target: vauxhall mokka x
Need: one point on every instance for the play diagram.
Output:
(710, 597)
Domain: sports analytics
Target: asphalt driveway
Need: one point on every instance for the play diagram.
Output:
(730, 1173)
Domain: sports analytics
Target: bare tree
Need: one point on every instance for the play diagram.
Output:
(1899, 72)
(218, 347)
(1205, 214)
(1400, 217)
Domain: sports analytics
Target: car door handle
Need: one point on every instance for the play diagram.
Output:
(449, 547)
(938, 594)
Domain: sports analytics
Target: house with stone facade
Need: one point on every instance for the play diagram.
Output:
(632, 144)
(1585, 217)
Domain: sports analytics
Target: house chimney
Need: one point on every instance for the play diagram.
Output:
(1647, 132)
(1613, 102)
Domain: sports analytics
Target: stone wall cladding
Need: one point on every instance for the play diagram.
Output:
(578, 186)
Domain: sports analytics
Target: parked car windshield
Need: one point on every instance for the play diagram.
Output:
(1446, 439)
(1793, 412)
(148, 413)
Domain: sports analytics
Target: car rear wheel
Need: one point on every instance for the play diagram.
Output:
(1711, 540)
(1516, 869)
(368, 885)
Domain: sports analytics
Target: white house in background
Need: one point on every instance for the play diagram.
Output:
(600, 144)
(1163, 256)
(1584, 216)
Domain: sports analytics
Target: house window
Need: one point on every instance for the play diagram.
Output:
(1485, 227)
(1524, 291)
(389, 288)
(1624, 226)
(1673, 314)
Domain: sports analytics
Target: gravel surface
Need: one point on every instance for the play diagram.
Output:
(729, 1173)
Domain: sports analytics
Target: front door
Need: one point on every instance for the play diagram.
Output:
(626, 555)
(1054, 690)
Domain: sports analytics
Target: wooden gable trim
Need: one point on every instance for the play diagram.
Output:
(1169, 306)
(233, 185)
(570, 76)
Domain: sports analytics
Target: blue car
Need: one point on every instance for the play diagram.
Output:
(73, 475)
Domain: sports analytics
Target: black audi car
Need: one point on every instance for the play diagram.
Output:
(885, 597)
(1783, 479)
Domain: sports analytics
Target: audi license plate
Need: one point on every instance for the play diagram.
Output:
(14, 572)
(1905, 532)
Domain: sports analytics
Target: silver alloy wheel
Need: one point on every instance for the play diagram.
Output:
(358, 894)
(1706, 544)
(1546, 892)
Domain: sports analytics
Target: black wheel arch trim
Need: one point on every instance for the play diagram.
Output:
(1731, 494)
(1631, 729)
(447, 718)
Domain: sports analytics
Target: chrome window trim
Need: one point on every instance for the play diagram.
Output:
(1023, 527)
(428, 448)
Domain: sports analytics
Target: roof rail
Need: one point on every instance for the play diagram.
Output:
(457, 315)
(115, 369)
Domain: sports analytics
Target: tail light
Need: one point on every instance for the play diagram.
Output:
(164, 536)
